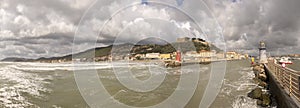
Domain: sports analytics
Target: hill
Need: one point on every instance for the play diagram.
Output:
(123, 49)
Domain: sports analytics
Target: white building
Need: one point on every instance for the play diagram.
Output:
(152, 56)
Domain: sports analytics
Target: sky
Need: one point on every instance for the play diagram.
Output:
(47, 28)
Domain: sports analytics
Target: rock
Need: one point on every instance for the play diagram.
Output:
(262, 73)
(262, 77)
(259, 102)
(177, 64)
(167, 65)
(262, 70)
(256, 80)
(255, 94)
(172, 64)
(266, 100)
(263, 84)
(256, 68)
(261, 66)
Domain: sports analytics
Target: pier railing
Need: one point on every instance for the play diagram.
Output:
(289, 79)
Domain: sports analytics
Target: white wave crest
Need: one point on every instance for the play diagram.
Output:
(17, 84)
(244, 102)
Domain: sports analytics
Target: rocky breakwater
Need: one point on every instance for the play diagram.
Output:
(172, 64)
(261, 91)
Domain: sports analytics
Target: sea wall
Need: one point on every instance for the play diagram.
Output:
(260, 93)
(283, 100)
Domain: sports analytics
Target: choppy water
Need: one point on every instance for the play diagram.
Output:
(33, 85)
(295, 65)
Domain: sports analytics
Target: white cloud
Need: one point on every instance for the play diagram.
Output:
(276, 21)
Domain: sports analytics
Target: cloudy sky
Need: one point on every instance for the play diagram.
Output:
(46, 28)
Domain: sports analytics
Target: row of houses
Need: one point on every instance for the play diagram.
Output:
(231, 55)
(190, 55)
(194, 55)
(153, 56)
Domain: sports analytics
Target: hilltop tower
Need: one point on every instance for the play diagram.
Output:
(262, 53)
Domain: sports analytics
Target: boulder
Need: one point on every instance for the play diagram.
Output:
(177, 64)
(256, 68)
(259, 102)
(167, 63)
(262, 70)
(261, 65)
(256, 80)
(266, 100)
(172, 64)
(263, 84)
(256, 93)
(262, 77)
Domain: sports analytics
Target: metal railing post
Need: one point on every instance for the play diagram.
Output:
(283, 75)
(290, 89)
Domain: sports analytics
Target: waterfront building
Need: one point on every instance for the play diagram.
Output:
(165, 56)
(220, 55)
(243, 56)
(152, 56)
(207, 54)
(232, 55)
(192, 54)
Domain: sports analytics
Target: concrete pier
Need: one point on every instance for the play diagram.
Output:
(284, 85)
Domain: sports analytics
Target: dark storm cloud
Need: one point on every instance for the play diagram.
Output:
(273, 21)
(62, 38)
(37, 28)
(38, 9)
(55, 44)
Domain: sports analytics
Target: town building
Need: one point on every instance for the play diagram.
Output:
(192, 54)
(232, 55)
(152, 56)
(206, 54)
(220, 55)
(165, 56)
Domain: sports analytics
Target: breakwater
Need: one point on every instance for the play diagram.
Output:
(283, 84)
(261, 91)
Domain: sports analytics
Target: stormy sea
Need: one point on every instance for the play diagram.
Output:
(46, 85)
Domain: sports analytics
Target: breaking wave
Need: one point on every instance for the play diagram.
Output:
(71, 67)
(16, 86)
(244, 102)
(238, 89)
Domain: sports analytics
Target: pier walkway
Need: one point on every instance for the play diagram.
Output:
(286, 84)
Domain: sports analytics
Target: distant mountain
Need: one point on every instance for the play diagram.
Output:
(15, 59)
(141, 48)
